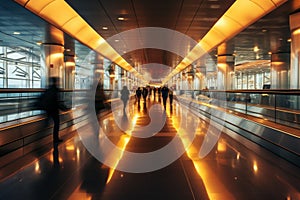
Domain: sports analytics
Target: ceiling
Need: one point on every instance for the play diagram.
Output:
(193, 18)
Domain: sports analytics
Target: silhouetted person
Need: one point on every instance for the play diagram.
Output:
(99, 98)
(171, 97)
(55, 154)
(164, 94)
(52, 104)
(149, 92)
(158, 91)
(125, 96)
(154, 92)
(138, 94)
(145, 93)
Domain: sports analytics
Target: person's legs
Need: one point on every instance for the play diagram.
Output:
(55, 117)
(164, 102)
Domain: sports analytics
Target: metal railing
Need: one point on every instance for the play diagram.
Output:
(279, 106)
(22, 103)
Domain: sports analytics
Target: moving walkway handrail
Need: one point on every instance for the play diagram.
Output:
(280, 105)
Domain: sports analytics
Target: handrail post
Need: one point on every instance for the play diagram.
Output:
(275, 112)
(246, 103)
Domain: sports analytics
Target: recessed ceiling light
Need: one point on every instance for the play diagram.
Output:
(289, 40)
(117, 40)
(256, 49)
(121, 18)
(39, 43)
(104, 27)
(215, 6)
(16, 33)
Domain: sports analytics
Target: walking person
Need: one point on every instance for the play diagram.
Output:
(145, 94)
(52, 104)
(125, 96)
(138, 94)
(99, 99)
(171, 96)
(164, 93)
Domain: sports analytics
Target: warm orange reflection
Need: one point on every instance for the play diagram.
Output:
(117, 155)
(214, 187)
(70, 147)
(255, 167)
(221, 146)
(37, 167)
(80, 194)
(122, 143)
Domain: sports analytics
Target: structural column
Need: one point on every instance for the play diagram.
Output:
(53, 58)
(295, 51)
(225, 68)
(295, 58)
(279, 70)
(69, 58)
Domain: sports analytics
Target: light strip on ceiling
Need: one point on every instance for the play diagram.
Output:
(62, 16)
(239, 16)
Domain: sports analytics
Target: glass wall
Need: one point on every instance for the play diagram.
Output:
(251, 80)
(19, 68)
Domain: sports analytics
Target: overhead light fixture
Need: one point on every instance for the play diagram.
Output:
(121, 18)
(105, 28)
(230, 24)
(70, 22)
(16, 33)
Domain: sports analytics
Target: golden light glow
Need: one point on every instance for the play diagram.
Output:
(101, 71)
(124, 139)
(221, 146)
(71, 23)
(70, 147)
(70, 64)
(255, 167)
(118, 155)
(230, 24)
(37, 167)
(296, 32)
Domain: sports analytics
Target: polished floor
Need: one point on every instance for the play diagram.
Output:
(229, 171)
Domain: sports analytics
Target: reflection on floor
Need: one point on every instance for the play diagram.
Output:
(229, 171)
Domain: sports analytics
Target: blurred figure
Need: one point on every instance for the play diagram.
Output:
(164, 94)
(154, 92)
(149, 92)
(99, 98)
(171, 96)
(125, 96)
(52, 103)
(138, 94)
(145, 94)
(55, 155)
